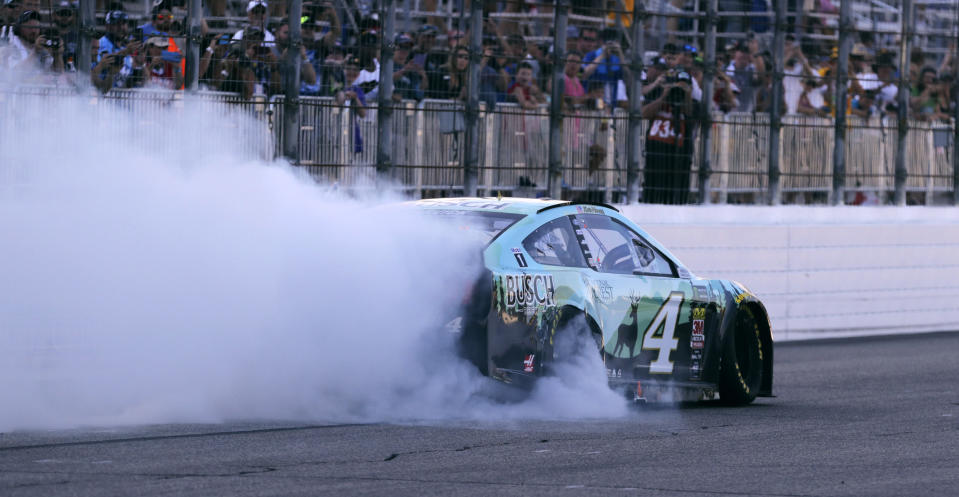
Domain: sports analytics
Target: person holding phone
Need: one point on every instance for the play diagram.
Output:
(156, 66)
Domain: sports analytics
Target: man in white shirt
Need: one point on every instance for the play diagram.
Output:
(256, 14)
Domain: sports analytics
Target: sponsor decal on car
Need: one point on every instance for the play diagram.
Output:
(602, 291)
(741, 297)
(468, 203)
(614, 373)
(525, 290)
(588, 209)
(528, 363)
(695, 364)
(698, 337)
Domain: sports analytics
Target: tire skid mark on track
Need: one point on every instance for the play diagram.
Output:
(153, 438)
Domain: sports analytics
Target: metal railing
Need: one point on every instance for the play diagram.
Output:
(338, 146)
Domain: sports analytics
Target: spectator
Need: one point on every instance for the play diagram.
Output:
(214, 68)
(307, 73)
(864, 104)
(925, 95)
(426, 55)
(725, 93)
(669, 143)
(603, 72)
(494, 80)
(864, 79)
(116, 38)
(327, 36)
(745, 70)
(368, 53)
(31, 53)
(524, 89)
(161, 23)
(157, 66)
(8, 19)
(409, 78)
(654, 78)
(588, 40)
(258, 65)
(888, 91)
(453, 83)
(256, 18)
(115, 63)
(320, 46)
(681, 60)
(795, 70)
(353, 96)
(573, 93)
(811, 101)
(64, 24)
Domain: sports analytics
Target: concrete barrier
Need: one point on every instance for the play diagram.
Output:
(825, 271)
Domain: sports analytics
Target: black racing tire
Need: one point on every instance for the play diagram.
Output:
(741, 369)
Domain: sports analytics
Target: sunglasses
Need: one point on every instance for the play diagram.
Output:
(163, 17)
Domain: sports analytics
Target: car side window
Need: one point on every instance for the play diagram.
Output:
(555, 244)
(614, 248)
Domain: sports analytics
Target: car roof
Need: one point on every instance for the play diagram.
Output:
(511, 205)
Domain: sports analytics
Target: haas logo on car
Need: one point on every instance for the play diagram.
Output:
(524, 290)
(528, 363)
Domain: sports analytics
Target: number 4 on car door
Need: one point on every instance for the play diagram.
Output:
(659, 334)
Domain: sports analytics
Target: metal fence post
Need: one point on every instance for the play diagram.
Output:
(902, 152)
(775, 120)
(840, 104)
(709, 73)
(471, 162)
(554, 178)
(84, 52)
(955, 125)
(634, 140)
(291, 102)
(384, 113)
(193, 41)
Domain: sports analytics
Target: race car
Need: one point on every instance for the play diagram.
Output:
(556, 269)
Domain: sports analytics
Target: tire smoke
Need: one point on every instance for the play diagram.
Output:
(186, 280)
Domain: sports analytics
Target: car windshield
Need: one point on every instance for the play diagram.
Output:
(479, 225)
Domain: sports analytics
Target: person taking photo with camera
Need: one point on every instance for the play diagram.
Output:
(669, 143)
(156, 66)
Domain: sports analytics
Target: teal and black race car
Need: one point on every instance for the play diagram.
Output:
(663, 333)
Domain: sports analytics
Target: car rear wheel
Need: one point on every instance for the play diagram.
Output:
(573, 333)
(741, 372)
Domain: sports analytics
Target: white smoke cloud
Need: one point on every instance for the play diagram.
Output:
(175, 277)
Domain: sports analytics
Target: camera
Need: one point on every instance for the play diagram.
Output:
(171, 57)
(676, 95)
(52, 43)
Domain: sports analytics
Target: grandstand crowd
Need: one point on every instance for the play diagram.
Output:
(247, 55)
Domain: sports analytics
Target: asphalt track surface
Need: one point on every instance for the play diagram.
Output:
(872, 417)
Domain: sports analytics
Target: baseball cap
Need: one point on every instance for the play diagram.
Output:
(115, 17)
(428, 28)
(28, 15)
(158, 41)
(254, 4)
(403, 39)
